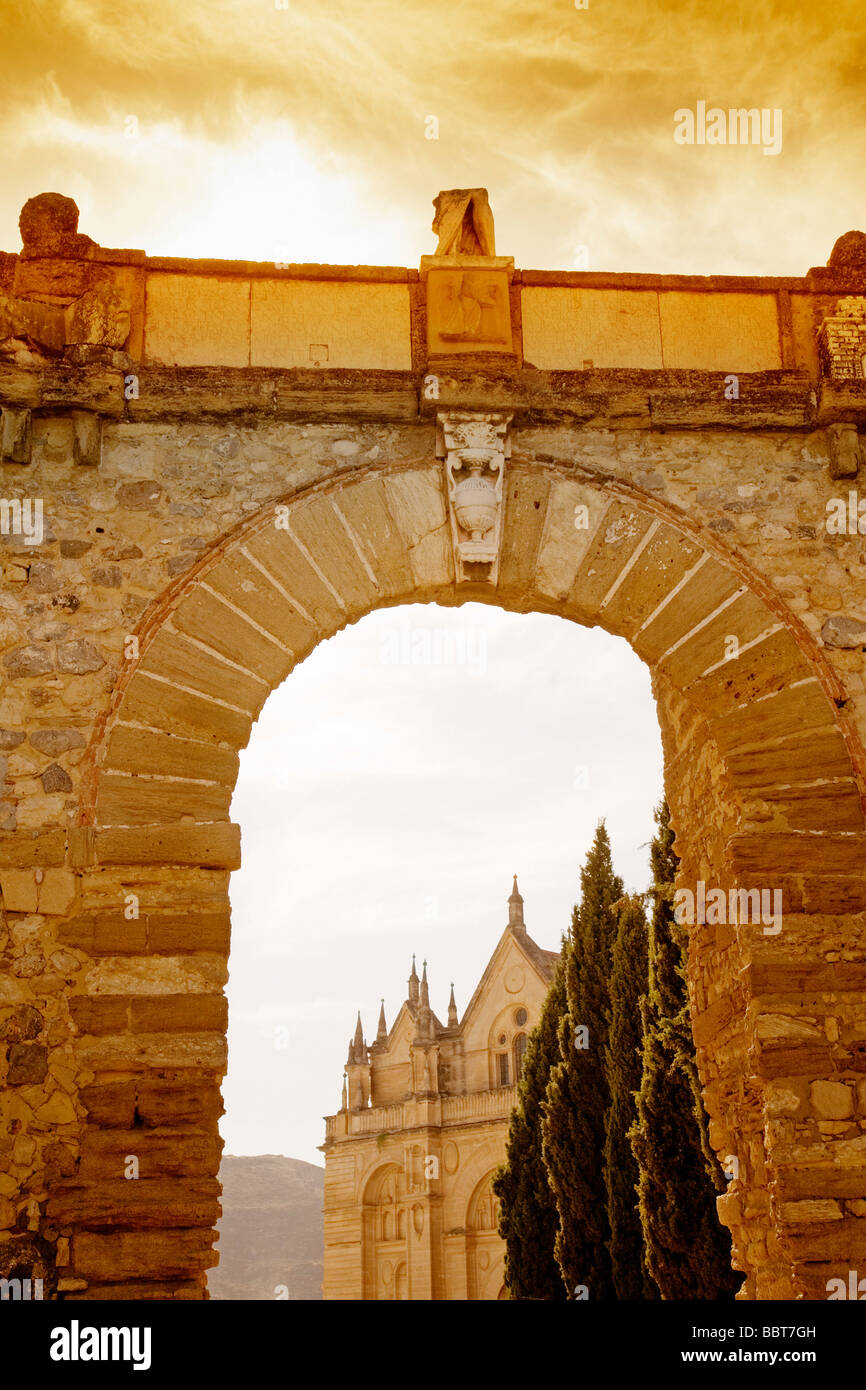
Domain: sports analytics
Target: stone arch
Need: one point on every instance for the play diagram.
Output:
(485, 1253)
(764, 774)
(503, 1026)
(259, 602)
(382, 1246)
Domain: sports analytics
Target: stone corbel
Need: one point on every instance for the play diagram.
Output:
(475, 446)
(87, 438)
(16, 435)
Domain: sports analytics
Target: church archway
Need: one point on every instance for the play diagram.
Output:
(484, 1250)
(384, 1235)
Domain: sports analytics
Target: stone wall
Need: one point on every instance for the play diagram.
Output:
(205, 526)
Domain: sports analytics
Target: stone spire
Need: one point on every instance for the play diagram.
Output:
(358, 1070)
(424, 1020)
(452, 1009)
(515, 909)
(382, 1031)
(413, 983)
(358, 1047)
(344, 1103)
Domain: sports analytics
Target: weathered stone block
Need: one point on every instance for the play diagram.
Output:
(86, 438)
(99, 1015)
(16, 435)
(186, 1154)
(28, 1064)
(27, 661)
(182, 712)
(56, 779)
(104, 933)
(79, 657)
(154, 754)
(57, 1110)
(55, 741)
(178, 1013)
(179, 662)
(844, 450)
(174, 1101)
(135, 1255)
(23, 1023)
(142, 1203)
(216, 845)
(19, 889)
(143, 801)
(56, 891)
(831, 1100)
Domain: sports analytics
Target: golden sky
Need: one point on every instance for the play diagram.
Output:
(299, 133)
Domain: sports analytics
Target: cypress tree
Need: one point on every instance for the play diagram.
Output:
(688, 1251)
(528, 1219)
(628, 983)
(573, 1125)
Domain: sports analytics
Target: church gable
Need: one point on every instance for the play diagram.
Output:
(506, 1005)
(506, 969)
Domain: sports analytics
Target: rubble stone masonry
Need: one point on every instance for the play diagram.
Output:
(234, 462)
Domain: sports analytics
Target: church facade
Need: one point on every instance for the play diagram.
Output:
(409, 1156)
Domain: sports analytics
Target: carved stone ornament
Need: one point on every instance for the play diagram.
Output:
(475, 445)
(467, 284)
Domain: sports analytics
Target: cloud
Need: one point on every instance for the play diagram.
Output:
(565, 115)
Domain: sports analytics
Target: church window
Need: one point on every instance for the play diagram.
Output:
(502, 1039)
(520, 1043)
(503, 1069)
(520, 1017)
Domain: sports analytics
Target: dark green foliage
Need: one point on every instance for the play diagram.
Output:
(688, 1251)
(528, 1219)
(628, 983)
(573, 1128)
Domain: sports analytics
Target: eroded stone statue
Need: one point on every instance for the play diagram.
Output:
(49, 227)
(464, 223)
(62, 295)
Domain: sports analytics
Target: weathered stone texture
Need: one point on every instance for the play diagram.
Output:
(206, 525)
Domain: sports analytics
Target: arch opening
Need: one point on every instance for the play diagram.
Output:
(763, 773)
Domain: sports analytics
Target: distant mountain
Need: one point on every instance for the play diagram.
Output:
(271, 1231)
